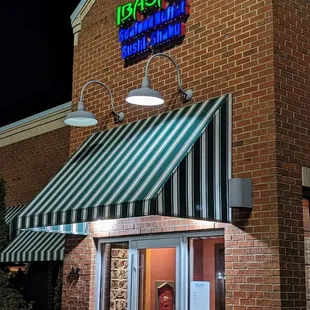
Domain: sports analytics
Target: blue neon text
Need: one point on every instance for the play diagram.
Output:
(157, 38)
(172, 13)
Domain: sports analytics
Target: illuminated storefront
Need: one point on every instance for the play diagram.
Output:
(165, 189)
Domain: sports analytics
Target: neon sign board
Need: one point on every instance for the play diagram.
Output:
(148, 26)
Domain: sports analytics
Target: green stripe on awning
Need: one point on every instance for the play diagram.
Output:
(120, 172)
(72, 229)
(11, 212)
(198, 187)
(32, 246)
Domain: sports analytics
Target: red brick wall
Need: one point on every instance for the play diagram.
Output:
(305, 204)
(292, 100)
(79, 294)
(147, 225)
(230, 47)
(28, 165)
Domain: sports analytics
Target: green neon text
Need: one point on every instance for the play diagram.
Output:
(132, 11)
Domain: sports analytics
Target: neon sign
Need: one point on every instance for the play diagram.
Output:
(148, 26)
(130, 11)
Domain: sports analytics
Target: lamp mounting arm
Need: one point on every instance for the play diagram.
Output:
(120, 116)
(187, 94)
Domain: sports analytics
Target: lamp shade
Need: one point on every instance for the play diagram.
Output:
(145, 96)
(81, 118)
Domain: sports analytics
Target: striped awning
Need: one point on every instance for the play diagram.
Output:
(32, 246)
(11, 212)
(173, 164)
(72, 229)
(38, 244)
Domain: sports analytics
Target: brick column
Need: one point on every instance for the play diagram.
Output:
(307, 247)
(253, 279)
(292, 94)
(79, 294)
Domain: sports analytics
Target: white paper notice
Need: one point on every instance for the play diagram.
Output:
(200, 295)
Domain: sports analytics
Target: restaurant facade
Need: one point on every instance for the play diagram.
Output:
(32, 150)
(202, 202)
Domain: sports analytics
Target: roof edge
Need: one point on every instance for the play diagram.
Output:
(78, 16)
(77, 10)
(34, 125)
(24, 121)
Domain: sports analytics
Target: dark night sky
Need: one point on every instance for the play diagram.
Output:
(36, 46)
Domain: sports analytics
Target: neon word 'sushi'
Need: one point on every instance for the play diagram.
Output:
(150, 25)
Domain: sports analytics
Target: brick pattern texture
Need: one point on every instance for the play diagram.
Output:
(306, 214)
(258, 50)
(292, 99)
(305, 204)
(148, 225)
(28, 165)
(119, 279)
(79, 293)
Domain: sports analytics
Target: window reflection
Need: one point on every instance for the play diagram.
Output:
(114, 280)
(208, 265)
(157, 274)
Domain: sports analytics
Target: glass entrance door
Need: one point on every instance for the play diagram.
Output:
(156, 274)
(168, 273)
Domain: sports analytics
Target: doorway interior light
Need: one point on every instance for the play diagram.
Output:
(147, 96)
(82, 118)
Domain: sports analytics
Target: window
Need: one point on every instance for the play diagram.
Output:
(114, 276)
(158, 273)
(208, 265)
(306, 216)
(157, 278)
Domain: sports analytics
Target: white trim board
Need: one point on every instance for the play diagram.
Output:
(34, 125)
(306, 176)
(78, 16)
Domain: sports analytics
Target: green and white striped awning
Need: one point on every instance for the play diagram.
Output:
(33, 246)
(173, 164)
(72, 229)
(38, 244)
(11, 212)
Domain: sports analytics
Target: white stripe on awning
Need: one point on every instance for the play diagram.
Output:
(32, 246)
(121, 171)
(11, 212)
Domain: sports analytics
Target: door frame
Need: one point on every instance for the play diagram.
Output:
(180, 271)
(182, 259)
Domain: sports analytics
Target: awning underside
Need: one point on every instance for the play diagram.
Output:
(32, 246)
(38, 244)
(72, 229)
(164, 165)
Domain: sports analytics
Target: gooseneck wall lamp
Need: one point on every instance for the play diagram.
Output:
(149, 97)
(82, 118)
